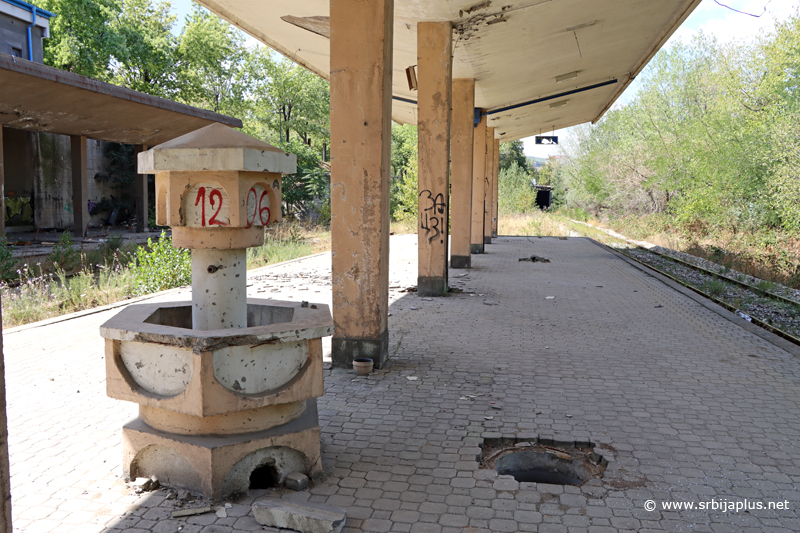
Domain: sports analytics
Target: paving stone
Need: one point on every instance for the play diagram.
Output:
(686, 411)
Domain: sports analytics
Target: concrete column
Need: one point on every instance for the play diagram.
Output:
(434, 72)
(2, 189)
(219, 289)
(488, 187)
(361, 105)
(478, 177)
(461, 148)
(142, 209)
(496, 181)
(5, 476)
(80, 185)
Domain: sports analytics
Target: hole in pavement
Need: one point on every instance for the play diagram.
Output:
(542, 467)
(264, 477)
(543, 460)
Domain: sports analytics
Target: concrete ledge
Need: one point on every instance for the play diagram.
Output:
(345, 350)
(432, 286)
(202, 463)
(460, 261)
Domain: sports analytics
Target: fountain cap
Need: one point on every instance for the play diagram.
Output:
(216, 148)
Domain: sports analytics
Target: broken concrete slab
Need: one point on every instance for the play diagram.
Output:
(304, 517)
(296, 481)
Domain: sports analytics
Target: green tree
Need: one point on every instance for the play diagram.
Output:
(148, 60)
(81, 40)
(213, 58)
(514, 152)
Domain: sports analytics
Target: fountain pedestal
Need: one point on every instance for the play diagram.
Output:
(226, 386)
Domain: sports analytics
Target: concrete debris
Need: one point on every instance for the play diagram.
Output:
(535, 259)
(427, 299)
(221, 512)
(305, 517)
(296, 481)
(412, 378)
(191, 512)
(145, 484)
(490, 302)
(549, 297)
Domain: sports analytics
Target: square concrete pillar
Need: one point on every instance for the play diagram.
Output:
(361, 105)
(2, 188)
(5, 479)
(488, 187)
(434, 72)
(461, 129)
(496, 181)
(142, 208)
(80, 185)
(478, 179)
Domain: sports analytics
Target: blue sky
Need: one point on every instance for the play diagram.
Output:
(710, 17)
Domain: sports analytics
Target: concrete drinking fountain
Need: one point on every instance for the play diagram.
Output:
(226, 386)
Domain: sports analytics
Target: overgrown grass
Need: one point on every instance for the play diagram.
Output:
(113, 274)
(40, 295)
(287, 241)
(769, 254)
(535, 223)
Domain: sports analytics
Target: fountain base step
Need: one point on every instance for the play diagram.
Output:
(223, 466)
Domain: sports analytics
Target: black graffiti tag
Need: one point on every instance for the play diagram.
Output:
(432, 218)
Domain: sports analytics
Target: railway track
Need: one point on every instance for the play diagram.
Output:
(777, 313)
(773, 312)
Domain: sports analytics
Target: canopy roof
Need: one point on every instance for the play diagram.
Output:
(39, 98)
(516, 50)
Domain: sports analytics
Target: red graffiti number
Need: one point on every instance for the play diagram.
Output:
(258, 209)
(201, 200)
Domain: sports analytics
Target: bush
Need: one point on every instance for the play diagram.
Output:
(515, 190)
(7, 261)
(64, 256)
(160, 266)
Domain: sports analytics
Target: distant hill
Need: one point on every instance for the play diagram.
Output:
(537, 162)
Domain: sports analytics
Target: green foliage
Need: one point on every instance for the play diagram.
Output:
(515, 188)
(64, 256)
(81, 40)
(7, 261)
(404, 201)
(160, 266)
(714, 287)
(712, 140)
(513, 152)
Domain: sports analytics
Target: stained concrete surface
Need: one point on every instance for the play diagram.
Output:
(689, 405)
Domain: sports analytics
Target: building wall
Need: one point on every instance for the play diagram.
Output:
(38, 170)
(14, 38)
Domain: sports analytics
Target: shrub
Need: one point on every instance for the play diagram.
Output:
(7, 261)
(64, 255)
(160, 266)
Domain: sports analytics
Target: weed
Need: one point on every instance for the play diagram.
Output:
(766, 285)
(64, 256)
(714, 287)
(7, 261)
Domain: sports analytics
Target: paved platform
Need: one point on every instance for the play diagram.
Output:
(688, 402)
